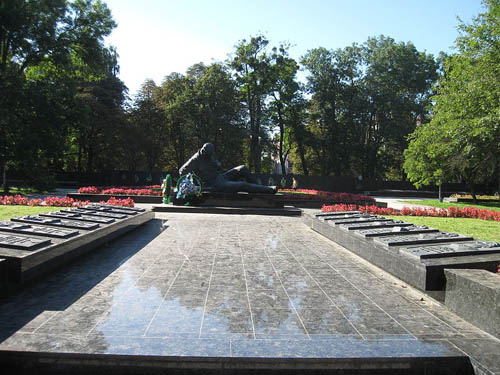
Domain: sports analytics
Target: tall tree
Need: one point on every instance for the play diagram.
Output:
(252, 67)
(332, 81)
(397, 85)
(467, 109)
(285, 99)
(48, 48)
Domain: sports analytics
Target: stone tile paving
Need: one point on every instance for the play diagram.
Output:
(231, 285)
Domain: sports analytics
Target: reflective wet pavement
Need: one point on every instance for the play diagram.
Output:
(234, 286)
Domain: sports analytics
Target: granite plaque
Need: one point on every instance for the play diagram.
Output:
(9, 226)
(422, 238)
(135, 209)
(22, 243)
(57, 222)
(111, 209)
(451, 250)
(87, 212)
(339, 213)
(346, 216)
(376, 224)
(395, 231)
(79, 217)
(360, 219)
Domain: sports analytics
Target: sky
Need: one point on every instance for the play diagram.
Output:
(157, 37)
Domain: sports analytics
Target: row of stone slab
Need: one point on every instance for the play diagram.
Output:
(33, 245)
(417, 255)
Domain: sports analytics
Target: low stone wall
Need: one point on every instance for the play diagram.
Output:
(31, 246)
(416, 255)
(105, 197)
(475, 296)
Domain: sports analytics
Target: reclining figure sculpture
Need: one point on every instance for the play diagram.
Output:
(205, 165)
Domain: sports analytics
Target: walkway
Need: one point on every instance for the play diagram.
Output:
(225, 286)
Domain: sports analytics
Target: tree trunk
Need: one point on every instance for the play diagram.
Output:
(473, 193)
(440, 191)
(5, 187)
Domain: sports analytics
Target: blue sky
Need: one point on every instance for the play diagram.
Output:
(157, 37)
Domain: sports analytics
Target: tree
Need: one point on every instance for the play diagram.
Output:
(285, 100)
(48, 48)
(334, 109)
(397, 86)
(252, 68)
(148, 127)
(467, 110)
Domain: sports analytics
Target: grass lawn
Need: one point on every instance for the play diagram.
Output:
(494, 205)
(8, 212)
(21, 191)
(479, 229)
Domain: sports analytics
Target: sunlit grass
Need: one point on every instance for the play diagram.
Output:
(479, 229)
(8, 212)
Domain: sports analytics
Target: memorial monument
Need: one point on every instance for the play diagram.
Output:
(205, 165)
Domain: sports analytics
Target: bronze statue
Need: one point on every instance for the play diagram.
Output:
(205, 165)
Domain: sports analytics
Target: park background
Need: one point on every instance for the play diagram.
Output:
(365, 112)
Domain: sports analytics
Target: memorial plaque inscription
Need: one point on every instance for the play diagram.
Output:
(346, 216)
(22, 243)
(340, 213)
(395, 231)
(376, 224)
(360, 219)
(8, 226)
(79, 217)
(135, 209)
(109, 215)
(422, 238)
(57, 222)
(108, 209)
(451, 250)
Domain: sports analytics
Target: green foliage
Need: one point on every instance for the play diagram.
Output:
(463, 138)
(51, 53)
(365, 101)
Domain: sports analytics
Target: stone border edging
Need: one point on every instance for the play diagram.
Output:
(474, 295)
(21, 266)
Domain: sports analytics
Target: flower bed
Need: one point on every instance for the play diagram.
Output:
(466, 212)
(319, 195)
(147, 190)
(18, 200)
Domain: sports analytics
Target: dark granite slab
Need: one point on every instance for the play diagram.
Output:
(356, 220)
(121, 208)
(475, 296)
(394, 231)
(452, 250)
(78, 217)
(31, 256)
(38, 230)
(420, 239)
(285, 211)
(204, 294)
(56, 222)
(376, 224)
(88, 212)
(108, 208)
(10, 241)
(426, 274)
(339, 213)
(235, 200)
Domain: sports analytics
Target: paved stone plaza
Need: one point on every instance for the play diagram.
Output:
(234, 286)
